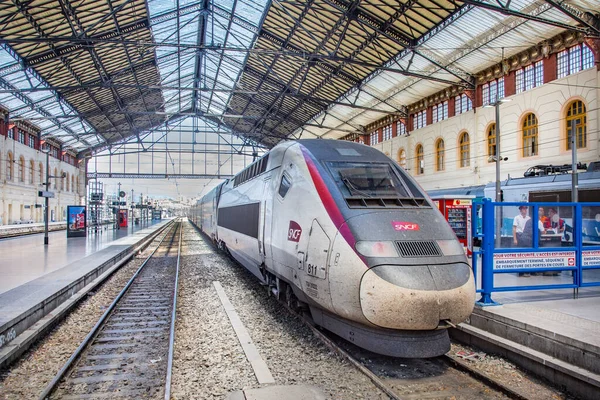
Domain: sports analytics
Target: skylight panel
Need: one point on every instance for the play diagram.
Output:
(219, 68)
(251, 10)
(160, 6)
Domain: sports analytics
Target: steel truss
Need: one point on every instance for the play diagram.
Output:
(186, 148)
(263, 80)
(589, 24)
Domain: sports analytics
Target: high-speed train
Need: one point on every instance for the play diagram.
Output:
(340, 228)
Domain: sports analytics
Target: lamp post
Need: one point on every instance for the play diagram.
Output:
(498, 189)
(132, 217)
(574, 194)
(497, 158)
(46, 149)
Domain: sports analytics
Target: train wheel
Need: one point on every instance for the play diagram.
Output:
(290, 298)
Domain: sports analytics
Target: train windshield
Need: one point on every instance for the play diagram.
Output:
(369, 180)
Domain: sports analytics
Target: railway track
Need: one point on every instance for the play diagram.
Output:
(129, 351)
(407, 379)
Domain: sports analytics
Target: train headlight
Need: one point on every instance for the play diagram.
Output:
(451, 247)
(376, 249)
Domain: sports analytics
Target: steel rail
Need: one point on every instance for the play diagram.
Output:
(329, 343)
(482, 376)
(450, 361)
(59, 376)
(173, 315)
(379, 383)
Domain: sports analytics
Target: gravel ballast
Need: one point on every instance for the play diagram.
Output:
(209, 362)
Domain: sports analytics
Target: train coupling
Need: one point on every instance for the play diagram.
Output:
(445, 324)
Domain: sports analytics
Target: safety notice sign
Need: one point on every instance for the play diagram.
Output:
(534, 259)
(590, 258)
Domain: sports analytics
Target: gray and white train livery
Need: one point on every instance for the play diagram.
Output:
(341, 228)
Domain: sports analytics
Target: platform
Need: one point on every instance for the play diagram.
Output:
(40, 280)
(25, 258)
(548, 332)
(29, 228)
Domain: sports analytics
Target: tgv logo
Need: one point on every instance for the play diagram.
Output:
(294, 232)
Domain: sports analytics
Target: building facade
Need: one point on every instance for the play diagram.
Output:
(23, 174)
(548, 94)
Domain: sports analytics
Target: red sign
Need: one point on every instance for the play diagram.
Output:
(405, 226)
(294, 232)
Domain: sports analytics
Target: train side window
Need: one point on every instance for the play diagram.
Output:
(284, 186)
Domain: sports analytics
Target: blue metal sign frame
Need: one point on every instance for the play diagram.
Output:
(574, 250)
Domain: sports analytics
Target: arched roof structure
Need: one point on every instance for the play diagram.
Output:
(101, 74)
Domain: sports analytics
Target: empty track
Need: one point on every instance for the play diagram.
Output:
(129, 351)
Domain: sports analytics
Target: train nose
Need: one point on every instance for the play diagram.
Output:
(417, 297)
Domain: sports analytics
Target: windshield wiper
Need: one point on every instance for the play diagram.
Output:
(353, 188)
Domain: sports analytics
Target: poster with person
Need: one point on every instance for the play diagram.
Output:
(76, 221)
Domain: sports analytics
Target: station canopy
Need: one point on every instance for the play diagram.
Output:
(98, 74)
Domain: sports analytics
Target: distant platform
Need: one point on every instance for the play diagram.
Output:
(13, 230)
(25, 258)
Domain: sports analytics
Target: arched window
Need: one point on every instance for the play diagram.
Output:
(10, 167)
(491, 142)
(21, 169)
(439, 155)
(41, 173)
(530, 135)
(31, 171)
(73, 183)
(67, 182)
(576, 124)
(402, 158)
(77, 183)
(465, 150)
(62, 181)
(419, 160)
(56, 178)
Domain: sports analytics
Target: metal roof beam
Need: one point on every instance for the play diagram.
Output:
(100, 68)
(129, 63)
(506, 10)
(370, 38)
(76, 43)
(385, 28)
(34, 107)
(21, 8)
(200, 55)
(585, 18)
(285, 42)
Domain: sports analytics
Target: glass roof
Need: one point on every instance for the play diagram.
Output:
(200, 49)
(207, 64)
(42, 108)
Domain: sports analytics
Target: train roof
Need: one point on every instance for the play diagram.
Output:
(334, 150)
(476, 191)
(548, 179)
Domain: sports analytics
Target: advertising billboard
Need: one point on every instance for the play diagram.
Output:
(76, 221)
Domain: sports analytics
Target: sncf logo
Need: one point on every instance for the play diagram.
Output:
(294, 232)
(405, 226)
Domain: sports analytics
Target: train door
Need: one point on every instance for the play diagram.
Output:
(264, 234)
(315, 264)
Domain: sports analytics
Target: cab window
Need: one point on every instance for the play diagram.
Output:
(370, 180)
(284, 186)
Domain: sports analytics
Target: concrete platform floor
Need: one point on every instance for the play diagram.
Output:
(25, 258)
